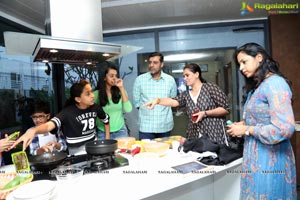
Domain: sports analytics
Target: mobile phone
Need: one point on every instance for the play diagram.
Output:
(14, 136)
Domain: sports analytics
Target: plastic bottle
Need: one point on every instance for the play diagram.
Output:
(228, 122)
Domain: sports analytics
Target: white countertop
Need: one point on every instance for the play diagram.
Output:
(142, 178)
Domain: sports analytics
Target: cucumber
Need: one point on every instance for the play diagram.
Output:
(15, 182)
(12, 183)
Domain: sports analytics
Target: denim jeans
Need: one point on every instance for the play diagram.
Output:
(114, 135)
(144, 135)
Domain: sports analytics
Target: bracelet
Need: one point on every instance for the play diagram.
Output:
(247, 133)
(205, 114)
(157, 100)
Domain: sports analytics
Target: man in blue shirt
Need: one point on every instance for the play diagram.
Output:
(158, 122)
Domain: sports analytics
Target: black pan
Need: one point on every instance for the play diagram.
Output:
(100, 147)
(47, 160)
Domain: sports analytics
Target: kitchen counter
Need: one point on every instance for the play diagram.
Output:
(153, 178)
(150, 178)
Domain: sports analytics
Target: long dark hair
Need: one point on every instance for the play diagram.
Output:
(115, 91)
(75, 91)
(266, 66)
(193, 67)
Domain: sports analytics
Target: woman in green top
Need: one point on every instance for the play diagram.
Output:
(112, 96)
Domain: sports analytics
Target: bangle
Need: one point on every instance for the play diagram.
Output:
(157, 100)
(247, 133)
(205, 114)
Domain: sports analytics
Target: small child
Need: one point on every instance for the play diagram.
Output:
(77, 120)
(46, 142)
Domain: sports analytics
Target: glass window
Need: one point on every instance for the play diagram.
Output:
(21, 81)
(74, 73)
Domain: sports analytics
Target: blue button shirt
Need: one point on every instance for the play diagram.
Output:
(145, 89)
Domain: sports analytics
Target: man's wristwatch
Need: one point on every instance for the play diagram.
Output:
(247, 131)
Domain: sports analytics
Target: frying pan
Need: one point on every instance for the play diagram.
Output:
(100, 147)
(47, 160)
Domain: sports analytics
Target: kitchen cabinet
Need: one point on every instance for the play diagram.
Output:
(284, 32)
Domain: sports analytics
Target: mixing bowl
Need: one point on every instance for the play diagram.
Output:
(67, 173)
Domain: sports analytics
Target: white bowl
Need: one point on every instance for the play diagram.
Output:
(36, 190)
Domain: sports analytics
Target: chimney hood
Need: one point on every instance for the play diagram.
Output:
(74, 31)
(73, 52)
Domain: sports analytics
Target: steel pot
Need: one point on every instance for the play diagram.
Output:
(100, 147)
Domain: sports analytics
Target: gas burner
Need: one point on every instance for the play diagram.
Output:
(99, 164)
(89, 163)
(108, 157)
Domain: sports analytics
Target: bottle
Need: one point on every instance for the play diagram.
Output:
(229, 122)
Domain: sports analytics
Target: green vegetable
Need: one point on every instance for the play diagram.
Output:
(14, 136)
(16, 181)
(22, 167)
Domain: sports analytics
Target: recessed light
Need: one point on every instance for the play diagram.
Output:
(185, 56)
(53, 50)
(106, 54)
(45, 61)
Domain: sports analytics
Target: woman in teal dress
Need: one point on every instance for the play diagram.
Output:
(268, 169)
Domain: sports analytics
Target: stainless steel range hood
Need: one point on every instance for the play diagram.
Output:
(74, 36)
(73, 52)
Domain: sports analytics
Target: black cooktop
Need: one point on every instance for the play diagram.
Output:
(89, 164)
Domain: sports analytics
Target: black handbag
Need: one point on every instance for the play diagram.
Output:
(200, 145)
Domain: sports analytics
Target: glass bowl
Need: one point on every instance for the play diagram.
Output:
(67, 173)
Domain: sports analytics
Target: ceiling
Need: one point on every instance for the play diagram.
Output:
(128, 15)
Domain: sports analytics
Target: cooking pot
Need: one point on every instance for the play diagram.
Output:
(47, 160)
(100, 147)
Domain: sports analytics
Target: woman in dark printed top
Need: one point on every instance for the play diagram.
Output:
(206, 100)
(77, 119)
